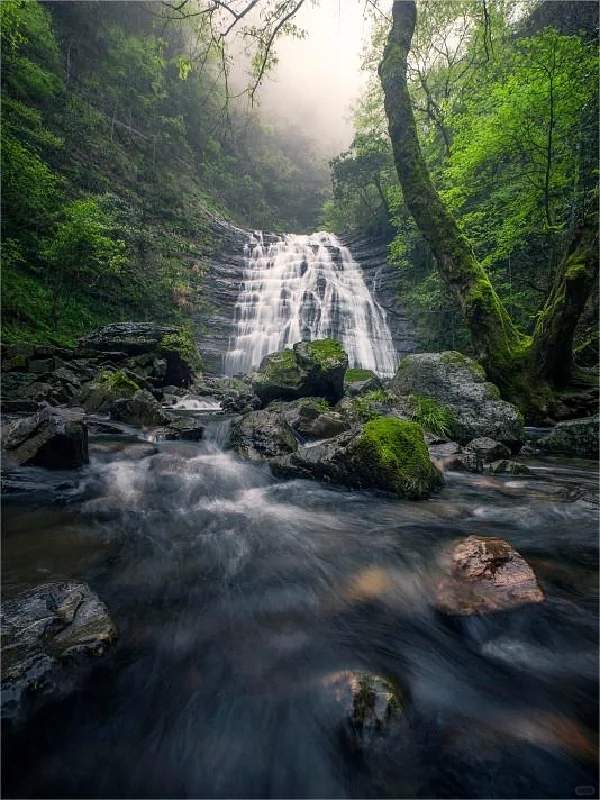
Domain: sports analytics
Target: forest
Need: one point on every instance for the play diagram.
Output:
(300, 432)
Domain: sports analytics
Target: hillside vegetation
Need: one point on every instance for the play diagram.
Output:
(118, 148)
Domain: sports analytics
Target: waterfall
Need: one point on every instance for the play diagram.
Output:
(307, 287)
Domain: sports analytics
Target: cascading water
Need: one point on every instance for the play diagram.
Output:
(307, 287)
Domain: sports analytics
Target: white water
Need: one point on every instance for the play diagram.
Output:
(307, 287)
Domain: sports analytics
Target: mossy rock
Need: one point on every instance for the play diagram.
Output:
(118, 383)
(388, 454)
(309, 369)
(392, 454)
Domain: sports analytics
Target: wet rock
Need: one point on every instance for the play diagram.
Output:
(43, 627)
(53, 438)
(311, 418)
(507, 467)
(309, 369)
(111, 450)
(166, 353)
(141, 410)
(484, 574)
(358, 381)
(370, 704)
(459, 383)
(445, 455)
(387, 454)
(185, 428)
(262, 435)
(487, 449)
(528, 450)
(109, 387)
(576, 437)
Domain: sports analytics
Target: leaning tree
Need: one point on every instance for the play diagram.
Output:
(530, 370)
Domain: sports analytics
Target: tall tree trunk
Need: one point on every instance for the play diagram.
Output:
(507, 355)
(552, 352)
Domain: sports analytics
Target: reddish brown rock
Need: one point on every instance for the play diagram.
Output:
(485, 574)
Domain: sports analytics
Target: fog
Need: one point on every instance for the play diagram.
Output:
(319, 78)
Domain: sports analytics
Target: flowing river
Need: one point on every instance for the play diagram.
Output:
(240, 600)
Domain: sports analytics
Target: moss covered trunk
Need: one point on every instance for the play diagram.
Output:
(525, 370)
(552, 355)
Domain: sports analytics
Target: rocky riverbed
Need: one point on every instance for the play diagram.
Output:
(227, 587)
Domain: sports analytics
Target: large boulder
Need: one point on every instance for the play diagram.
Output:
(459, 383)
(173, 348)
(388, 454)
(484, 574)
(576, 437)
(309, 369)
(262, 435)
(55, 438)
(141, 410)
(44, 626)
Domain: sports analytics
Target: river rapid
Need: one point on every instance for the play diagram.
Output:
(239, 598)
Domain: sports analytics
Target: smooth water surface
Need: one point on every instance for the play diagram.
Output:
(238, 597)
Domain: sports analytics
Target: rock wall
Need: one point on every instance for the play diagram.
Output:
(215, 320)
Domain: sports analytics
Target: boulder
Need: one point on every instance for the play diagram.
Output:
(44, 626)
(173, 355)
(309, 369)
(186, 428)
(311, 418)
(488, 449)
(575, 437)
(387, 454)
(357, 381)
(55, 438)
(141, 410)
(484, 574)
(262, 435)
(507, 467)
(459, 383)
(109, 387)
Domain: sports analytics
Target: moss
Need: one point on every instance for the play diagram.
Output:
(184, 345)
(395, 450)
(353, 375)
(279, 364)
(366, 405)
(326, 352)
(118, 382)
(432, 415)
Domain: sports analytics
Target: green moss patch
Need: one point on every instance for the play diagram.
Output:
(355, 375)
(368, 405)
(396, 452)
(327, 352)
(119, 383)
(184, 345)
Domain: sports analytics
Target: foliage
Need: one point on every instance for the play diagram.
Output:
(507, 112)
(184, 344)
(354, 374)
(117, 150)
(369, 405)
(432, 415)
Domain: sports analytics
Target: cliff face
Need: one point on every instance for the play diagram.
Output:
(215, 322)
(382, 281)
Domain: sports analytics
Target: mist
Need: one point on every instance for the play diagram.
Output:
(318, 79)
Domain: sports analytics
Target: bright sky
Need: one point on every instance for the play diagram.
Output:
(319, 78)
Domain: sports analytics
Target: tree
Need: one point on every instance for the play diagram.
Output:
(524, 367)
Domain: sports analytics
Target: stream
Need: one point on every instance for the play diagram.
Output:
(238, 600)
